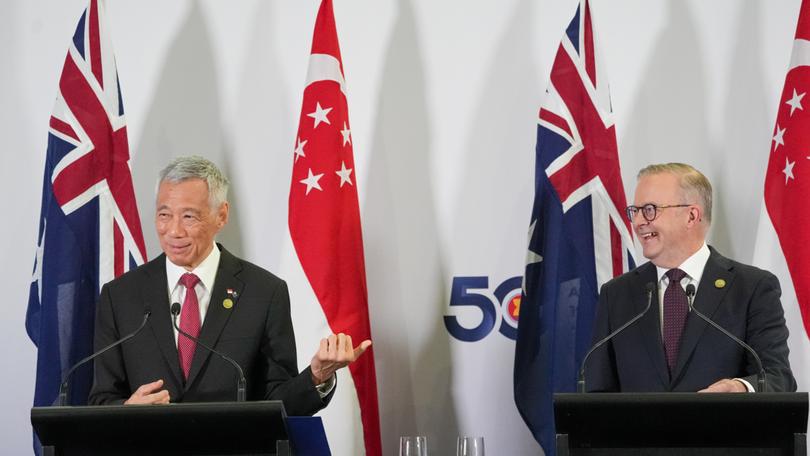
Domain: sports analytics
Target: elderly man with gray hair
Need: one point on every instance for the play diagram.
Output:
(236, 307)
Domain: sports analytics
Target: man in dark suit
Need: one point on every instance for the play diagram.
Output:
(671, 348)
(230, 304)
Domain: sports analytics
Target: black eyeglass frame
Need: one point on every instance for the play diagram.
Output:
(631, 211)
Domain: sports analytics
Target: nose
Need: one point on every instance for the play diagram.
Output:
(174, 227)
(638, 219)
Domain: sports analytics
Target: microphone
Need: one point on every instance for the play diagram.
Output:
(63, 387)
(240, 385)
(690, 295)
(650, 287)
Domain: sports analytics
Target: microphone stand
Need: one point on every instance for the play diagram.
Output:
(63, 387)
(581, 379)
(761, 383)
(240, 385)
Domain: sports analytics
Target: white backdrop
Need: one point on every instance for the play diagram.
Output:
(443, 97)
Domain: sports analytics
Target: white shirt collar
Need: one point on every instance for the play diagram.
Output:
(692, 266)
(206, 271)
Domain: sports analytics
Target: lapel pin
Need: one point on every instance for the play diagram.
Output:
(719, 283)
(232, 294)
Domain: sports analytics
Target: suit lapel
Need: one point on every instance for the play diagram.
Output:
(650, 323)
(217, 315)
(156, 294)
(707, 299)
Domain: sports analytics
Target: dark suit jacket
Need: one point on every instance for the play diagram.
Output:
(256, 332)
(747, 305)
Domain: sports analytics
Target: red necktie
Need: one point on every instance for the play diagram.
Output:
(189, 322)
(676, 307)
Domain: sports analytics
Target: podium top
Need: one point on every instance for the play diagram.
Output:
(681, 417)
(163, 429)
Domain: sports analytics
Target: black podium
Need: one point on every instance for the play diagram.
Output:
(215, 428)
(599, 424)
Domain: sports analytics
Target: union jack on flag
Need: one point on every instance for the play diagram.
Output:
(89, 229)
(578, 236)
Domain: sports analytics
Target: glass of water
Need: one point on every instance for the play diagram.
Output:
(470, 446)
(413, 446)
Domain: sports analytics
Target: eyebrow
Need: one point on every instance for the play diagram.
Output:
(185, 209)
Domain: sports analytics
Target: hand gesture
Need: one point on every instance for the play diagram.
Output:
(335, 352)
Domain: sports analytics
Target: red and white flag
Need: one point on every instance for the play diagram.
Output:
(783, 239)
(324, 214)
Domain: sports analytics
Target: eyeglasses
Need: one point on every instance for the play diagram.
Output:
(649, 211)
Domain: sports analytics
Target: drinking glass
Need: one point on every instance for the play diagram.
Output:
(470, 446)
(413, 446)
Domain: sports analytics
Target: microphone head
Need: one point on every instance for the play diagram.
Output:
(650, 287)
(690, 290)
(147, 310)
(176, 309)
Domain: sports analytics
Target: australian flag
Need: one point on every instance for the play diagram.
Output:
(578, 238)
(89, 230)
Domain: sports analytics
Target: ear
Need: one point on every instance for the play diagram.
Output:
(222, 215)
(695, 214)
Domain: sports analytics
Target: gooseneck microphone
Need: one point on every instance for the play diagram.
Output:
(650, 287)
(240, 385)
(690, 295)
(64, 386)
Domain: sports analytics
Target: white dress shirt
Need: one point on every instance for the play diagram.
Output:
(205, 271)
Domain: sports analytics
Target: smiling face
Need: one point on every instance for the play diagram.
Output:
(677, 232)
(185, 223)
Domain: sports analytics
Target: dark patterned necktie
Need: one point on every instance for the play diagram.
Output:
(189, 322)
(676, 307)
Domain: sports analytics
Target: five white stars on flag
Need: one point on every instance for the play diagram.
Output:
(795, 102)
(321, 115)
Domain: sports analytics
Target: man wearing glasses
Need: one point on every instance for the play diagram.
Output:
(670, 348)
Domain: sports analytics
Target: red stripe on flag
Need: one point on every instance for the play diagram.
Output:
(803, 26)
(75, 179)
(616, 250)
(590, 56)
(327, 42)
(63, 127)
(95, 44)
(572, 176)
(120, 183)
(88, 111)
(118, 250)
(555, 120)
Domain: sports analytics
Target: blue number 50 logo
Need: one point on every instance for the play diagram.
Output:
(472, 292)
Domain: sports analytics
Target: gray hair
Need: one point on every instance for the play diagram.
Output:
(194, 167)
(692, 182)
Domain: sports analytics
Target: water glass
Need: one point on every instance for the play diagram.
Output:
(413, 446)
(470, 446)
